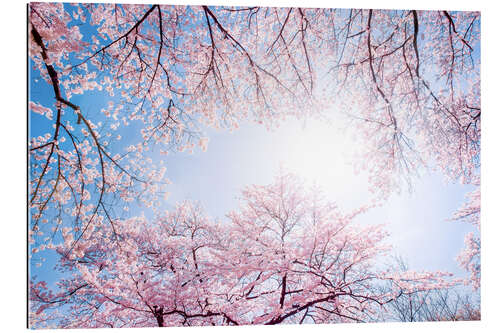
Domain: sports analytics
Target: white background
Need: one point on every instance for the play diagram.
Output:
(13, 161)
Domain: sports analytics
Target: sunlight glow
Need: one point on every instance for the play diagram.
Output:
(322, 154)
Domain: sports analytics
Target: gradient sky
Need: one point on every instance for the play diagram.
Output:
(417, 220)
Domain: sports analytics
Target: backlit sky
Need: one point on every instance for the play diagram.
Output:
(417, 221)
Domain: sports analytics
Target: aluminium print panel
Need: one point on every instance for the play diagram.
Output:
(217, 165)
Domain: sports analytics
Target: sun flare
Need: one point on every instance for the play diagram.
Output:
(322, 155)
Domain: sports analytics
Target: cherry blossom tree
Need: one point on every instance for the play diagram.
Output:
(287, 257)
(410, 81)
(300, 259)
(155, 274)
(470, 257)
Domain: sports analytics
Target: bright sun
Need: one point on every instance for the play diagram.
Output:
(321, 153)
